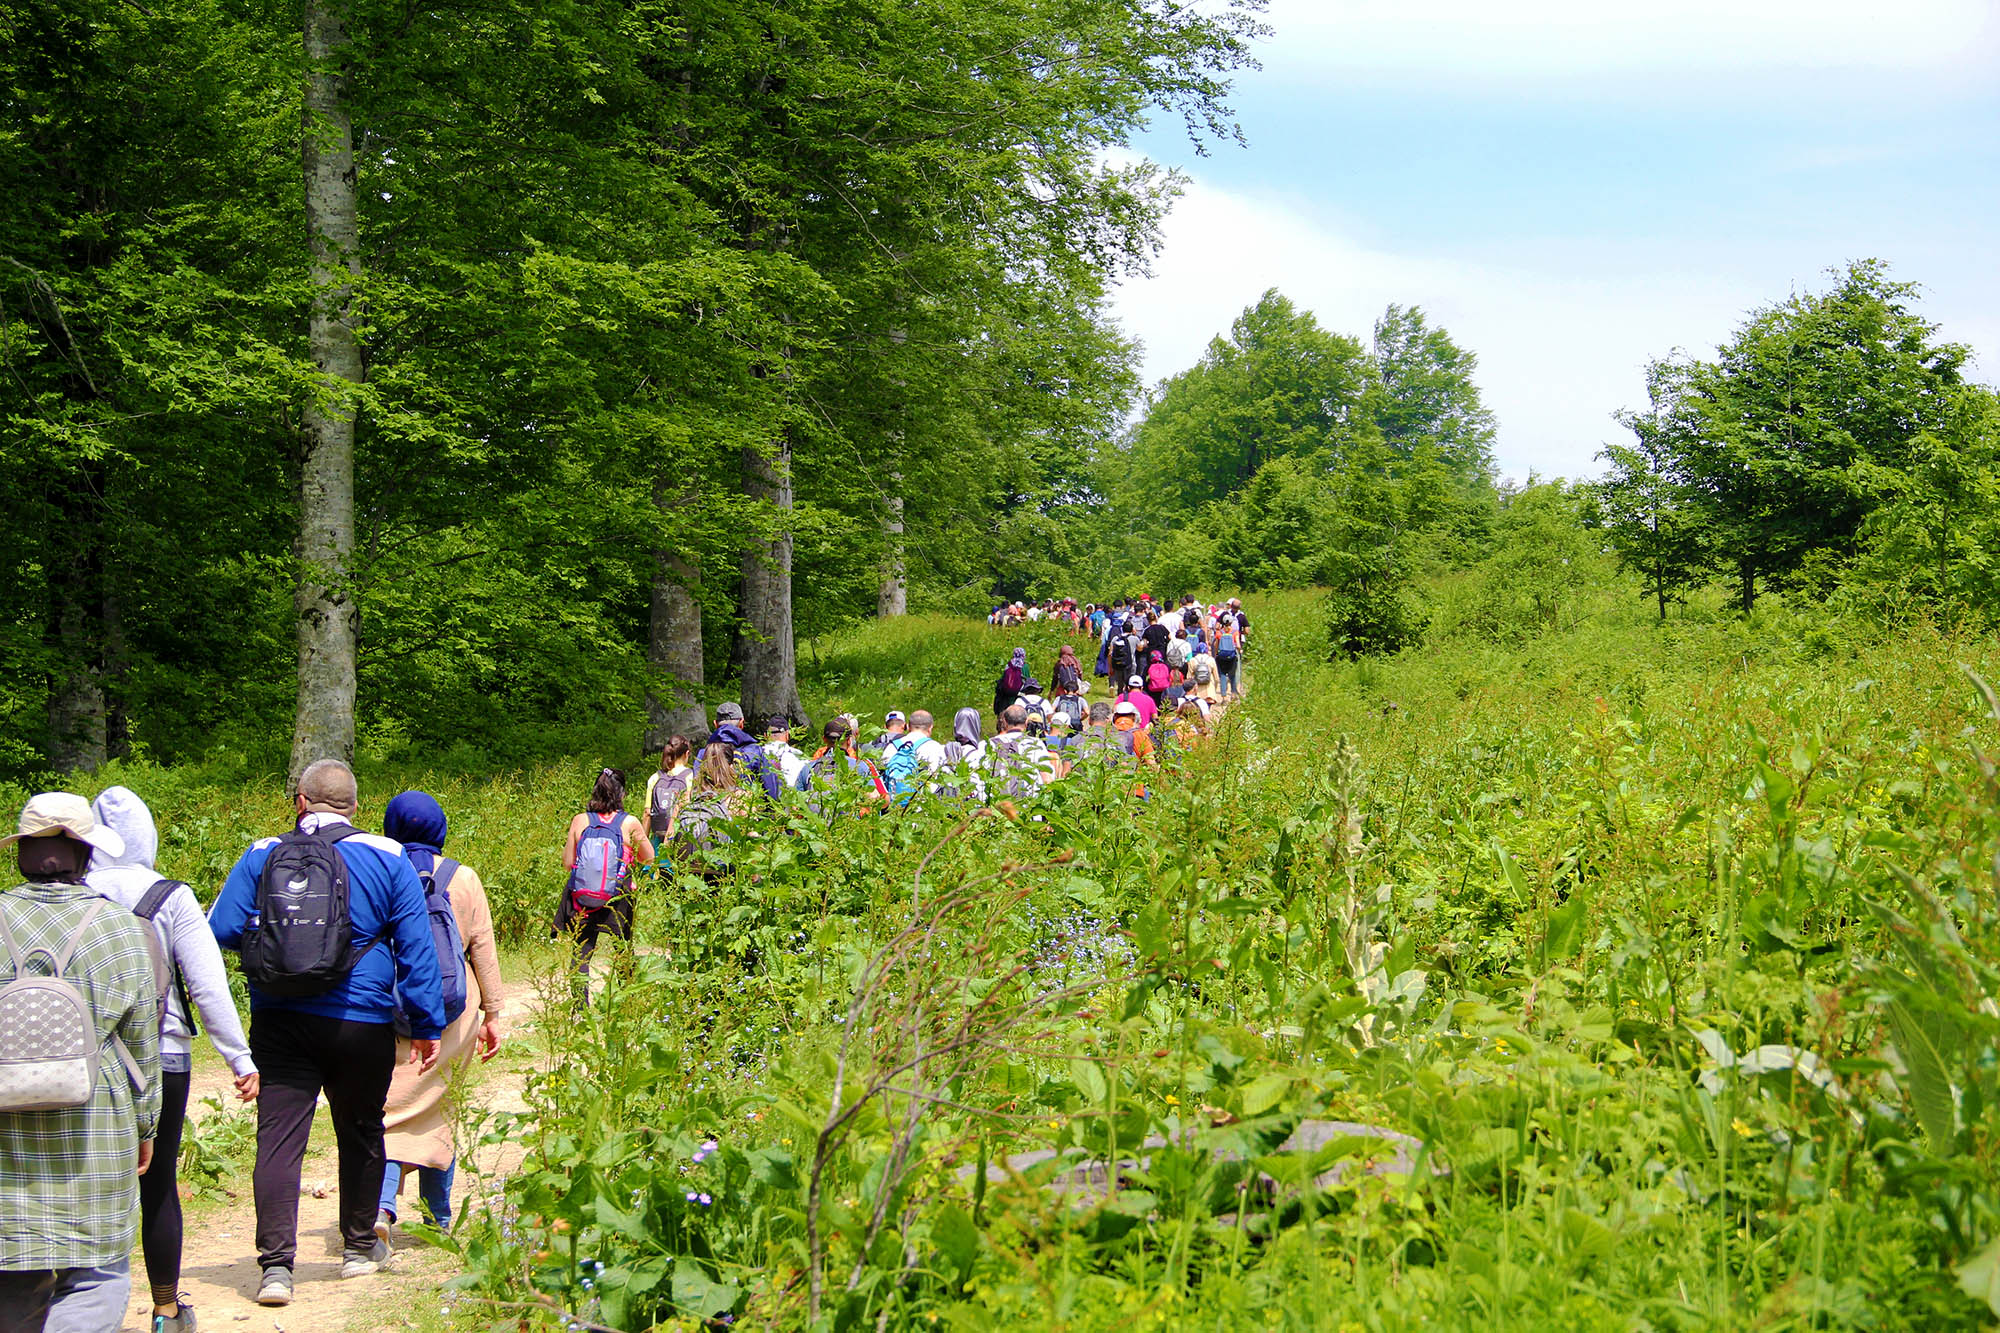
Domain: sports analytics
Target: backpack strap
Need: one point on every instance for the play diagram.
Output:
(7, 938)
(148, 910)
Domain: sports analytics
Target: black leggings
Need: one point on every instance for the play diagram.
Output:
(613, 919)
(160, 1197)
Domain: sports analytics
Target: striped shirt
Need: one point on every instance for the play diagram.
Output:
(69, 1185)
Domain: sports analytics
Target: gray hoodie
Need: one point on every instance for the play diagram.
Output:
(183, 930)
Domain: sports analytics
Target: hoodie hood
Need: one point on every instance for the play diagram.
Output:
(965, 726)
(121, 810)
(731, 734)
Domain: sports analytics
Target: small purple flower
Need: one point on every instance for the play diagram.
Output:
(705, 1151)
(703, 1199)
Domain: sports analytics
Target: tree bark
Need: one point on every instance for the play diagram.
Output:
(673, 648)
(324, 600)
(1746, 573)
(893, 597)
(76, 636)
(770, 654)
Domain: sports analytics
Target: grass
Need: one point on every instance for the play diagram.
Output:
(1675, 944)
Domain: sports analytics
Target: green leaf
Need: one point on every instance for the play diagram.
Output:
(957, 1239)
(1265, 1092)
(1930, 1084)
(1979, 1276)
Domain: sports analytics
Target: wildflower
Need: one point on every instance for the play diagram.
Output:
(1741, 1128)
(705, 1151)
(1173, 1100)
(703, 1199)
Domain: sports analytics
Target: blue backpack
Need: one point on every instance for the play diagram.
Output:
(446, 937)
(600, 864)
(899, 765)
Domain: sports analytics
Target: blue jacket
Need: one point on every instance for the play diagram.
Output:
(385, 901)
(750, 753)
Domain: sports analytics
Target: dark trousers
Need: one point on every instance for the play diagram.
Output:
(159, 1199)
(24, 1300)
(299, 1056)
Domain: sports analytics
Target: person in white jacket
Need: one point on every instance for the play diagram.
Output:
(182, 926)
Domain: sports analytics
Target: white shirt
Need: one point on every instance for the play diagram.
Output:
(930, 754)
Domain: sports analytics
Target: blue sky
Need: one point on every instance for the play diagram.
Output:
(1572, 190)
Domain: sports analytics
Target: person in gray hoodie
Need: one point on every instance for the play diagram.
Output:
(128, 879)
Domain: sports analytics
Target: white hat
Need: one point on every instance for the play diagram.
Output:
(1125, 709)
(54, 812)
(1137, 682)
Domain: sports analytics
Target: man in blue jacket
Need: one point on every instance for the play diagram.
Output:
(341, 1041)
(749, 754)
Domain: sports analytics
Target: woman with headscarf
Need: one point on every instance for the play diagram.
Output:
(1068, 673)
(416, 1131)
(1008, 689)
(965, 739)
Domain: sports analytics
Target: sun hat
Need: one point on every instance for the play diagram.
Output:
(1126, 708)
(59, 812)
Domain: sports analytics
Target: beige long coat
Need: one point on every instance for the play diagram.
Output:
(417, 1118)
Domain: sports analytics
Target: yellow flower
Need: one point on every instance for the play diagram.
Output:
(1741, 1128)
(1173, 1100)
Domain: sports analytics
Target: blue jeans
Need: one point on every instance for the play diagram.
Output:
(89, 1300)
(433, 1189)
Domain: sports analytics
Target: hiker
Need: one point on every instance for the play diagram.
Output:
(1008, 688)
(1175, 694)
(1158, 677)
(1230, 627)
(778, 749)
(1135, 694)
(665, 790)
(750, 756)
(1156, 636)
(417, 1135)
(199, 983)
(956, 775)
(602, 846)
(894, 727)
(930, 752)
(1067, 675)
(1191, 724)
(1130, 735)
(1179, 650)
(839, 764)
(77, 1127)
(1014, 763)
(1069, 704)
(323, 1005)
(718, 798)
(1204, 679)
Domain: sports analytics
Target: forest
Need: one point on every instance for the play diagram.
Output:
(485, 393)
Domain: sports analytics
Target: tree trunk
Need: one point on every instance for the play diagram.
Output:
(673, 648)
(1747, 578)
(324, 602)
(893, 597)
(117, 667)
(770, 655)
(76, 695)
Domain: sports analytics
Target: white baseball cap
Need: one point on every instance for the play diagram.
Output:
(61, 812)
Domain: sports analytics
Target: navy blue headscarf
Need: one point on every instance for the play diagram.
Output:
(415, 819)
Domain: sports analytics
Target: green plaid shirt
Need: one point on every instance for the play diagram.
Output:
(69, 1184)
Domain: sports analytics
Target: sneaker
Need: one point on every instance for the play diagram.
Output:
(360, 1263)
(276, 1289)
(383, 1221)
(180, 1321)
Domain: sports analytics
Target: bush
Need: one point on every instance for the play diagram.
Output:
(1375, 618)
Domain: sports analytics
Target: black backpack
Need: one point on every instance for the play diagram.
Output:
(303, 942)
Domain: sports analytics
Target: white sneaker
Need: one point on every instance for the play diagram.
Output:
(276, 1288)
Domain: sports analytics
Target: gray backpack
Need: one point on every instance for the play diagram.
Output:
(48, 1036)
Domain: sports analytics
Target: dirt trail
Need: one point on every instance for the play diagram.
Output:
(219, 1272)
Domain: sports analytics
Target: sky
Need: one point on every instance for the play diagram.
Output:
(1574, 189)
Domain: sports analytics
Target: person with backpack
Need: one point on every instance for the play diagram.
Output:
(1014, 764)
(197, 983)
(666, 789)
(840, 768)
(1008, 688)
(895, 726)
(716, 801)
(603, 845)
(1204, 679)
(1135, 694)
(955, 776)
(79, 1077)
(906, 758)
(1158, 677)
(1228, 655)
(335, 939)
(1067, 676)
(750, 756)
(417, 1132)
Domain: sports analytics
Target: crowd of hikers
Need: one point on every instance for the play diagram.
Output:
(369, 958)
(372, 976)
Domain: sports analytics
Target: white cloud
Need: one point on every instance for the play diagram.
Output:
(1532, 39)
(1558, 350)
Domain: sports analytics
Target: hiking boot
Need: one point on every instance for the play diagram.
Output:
(276, 1288)
(360, 1263)
(180, 1321)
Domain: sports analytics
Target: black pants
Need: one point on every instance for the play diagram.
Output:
(584, 924)
(300, 1055)
(159, 1199)
(24, 1300)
